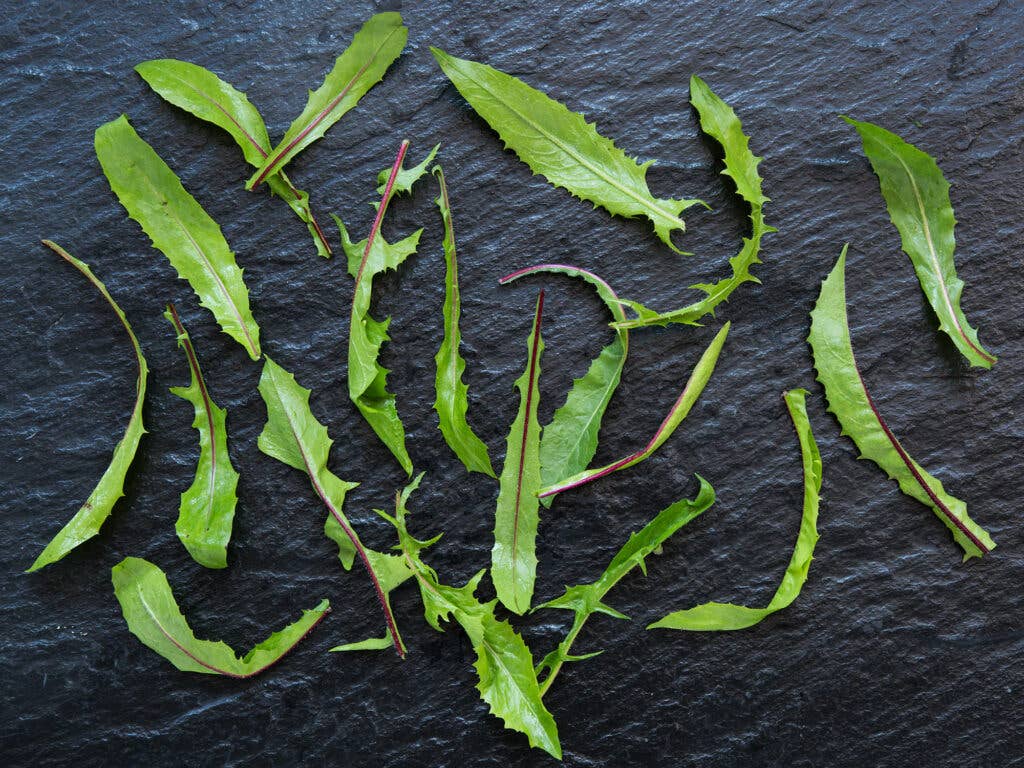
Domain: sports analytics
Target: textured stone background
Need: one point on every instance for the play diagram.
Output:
(895, 654)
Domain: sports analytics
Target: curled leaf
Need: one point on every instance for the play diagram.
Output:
(727, 616)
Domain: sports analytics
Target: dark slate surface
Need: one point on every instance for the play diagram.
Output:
(896, 654)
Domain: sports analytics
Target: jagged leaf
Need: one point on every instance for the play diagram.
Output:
(860, 420)
(917, 196)
(87, 521)
(178, 227)
(208, 507)
(562, 146)
(154, 617)
(727, 616)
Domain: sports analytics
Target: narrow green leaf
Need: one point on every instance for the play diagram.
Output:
(860, 420)
(917, 196)
(691, 392)
(586, 600)
(719, 121)
(205, 95)
(356, 71)
(178, 227)
(562, 146)
(87, 521)
(452, 399)
(513, 557)
(154, 617)
(293, 436)
(569, 442)
(208, 507)
(727, 616)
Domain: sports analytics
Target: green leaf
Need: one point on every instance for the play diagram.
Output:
(726, 616)
(691, 392)
(357, 70)
(504, 664)
(208, 507)
(586, 600)
(917, 196)
(569, 442)
(513, 557)
(202, 93)
(452, 399)
(293, 436)
(562, 146)
(860, 420)
(367, 378)
(719, 121)
(87, 521)
(178, 227)
(154, 617)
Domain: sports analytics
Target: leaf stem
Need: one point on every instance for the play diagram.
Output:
(385, 199)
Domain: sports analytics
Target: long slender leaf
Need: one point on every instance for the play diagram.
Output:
(293, 436)
(87, 521)
(718, 120)
(860, 420)
(178, 227)
(452, 399)
(562, 146)
(917, 196)
(727, 616)
(513, 557)
(569, 442)
(357, 70)
(691, 392)
(208, 507)
(208, 97)
(154, 617)
(586, 600)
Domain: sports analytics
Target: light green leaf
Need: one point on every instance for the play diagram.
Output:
(860, 420)
(586, 600)
(201, 92)
(513, 557)
(87, 521)
(686, 400)
(917, 196)
(726, 616)
(452, 399)
(153, 616)
(562, 146)
(719, 121)
(178, 227)
(208, 507)
(357, 70)
(293, 436)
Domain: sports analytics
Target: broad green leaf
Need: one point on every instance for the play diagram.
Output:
(586, 600)
(154, 617)
(356, 71)
(293, 436)
(860, 420)
(562, 146)
(719, 121)
(504, 664)
(178, 227)
(201, 92)
(208, 507)
(691, 392)
(87, 521)
(726, 616)
(367, 378)
(513, 557)
(569, 442)
(917, 196)
(452, 400)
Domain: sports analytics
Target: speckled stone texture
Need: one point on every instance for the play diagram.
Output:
(895, 654)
